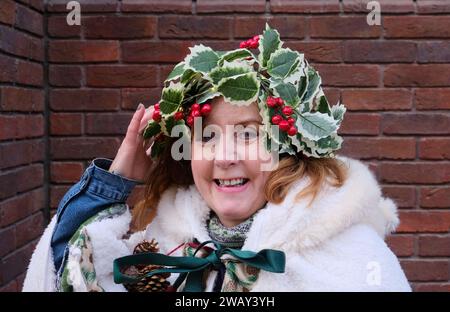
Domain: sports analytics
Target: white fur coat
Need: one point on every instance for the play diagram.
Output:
(337, 244)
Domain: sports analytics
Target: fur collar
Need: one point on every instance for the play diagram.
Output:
(290, 225)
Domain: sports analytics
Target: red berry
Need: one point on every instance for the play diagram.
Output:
(206, 109)
(287, 110)
(156, 106)
(156, 115)
(292, 131)
(271, 102)
(284, 125)
(196, 113)
(276, 119)
(243, 45)
(253, 44)
(291, 120)
(190, 120)
(178, 115)
(280, 101)
(256, 38)
(195, 106)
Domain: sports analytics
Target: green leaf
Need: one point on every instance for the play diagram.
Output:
(268, 44)
(302, 86)
(207, 96)
(240, 90)
(338, 111)
(323, 106)
(168, 123)
(187, 75)
(235, 55)
(171, 98)
(227, 71)
(282, 62)
(177, 71)
(151, 129)
(329, 143)
(313, 87)
(315, 125)
(288, 93)
(202, 58)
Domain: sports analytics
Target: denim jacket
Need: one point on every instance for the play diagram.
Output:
(96, 190)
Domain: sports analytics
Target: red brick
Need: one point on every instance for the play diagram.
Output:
(419, 123)
(30, 73)
(432, 6)
(157, 52)
(379, 148)
(84, 100)
(424, 221)
(9, 68)
(83, 51)
(377, 99)
(21, 126)
(341, 75)
(7, 240)
(10, 287)
(305, 6)
(19, 43)
(401, 245)
(415, 172)
(434, 52)
(403, 196)
(434, 148)
(20, 180)
(66, 124)
(29, 229)
(21, 99)
(131, 97)
(15, 263)
(416, 26)
(437, 197)
(37, 4)
(434, 245)
(116, 123)
(83, 148)
(342, 27)
(115, 27)
(29, 20)
(417, 75)
(66, 172)
(287, 26)
(86, 6)
(360, 123)
(386, 6)
(122, 76)
(432, 98)
(21, 206)
(65, 76)
(426, 270)
(431, 287)
(363, 51)
(333, 95)
(205, 27)
(7, 12)
(57, 193)
(318, 52)
(251, 6)
(24, 151)
(58, 27)
(156, 6)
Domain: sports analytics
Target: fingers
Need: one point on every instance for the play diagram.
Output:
(147, 116)
(133, 127)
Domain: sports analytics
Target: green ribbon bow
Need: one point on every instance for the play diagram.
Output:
(193, 267)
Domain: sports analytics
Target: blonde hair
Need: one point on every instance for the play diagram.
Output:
(167, 172)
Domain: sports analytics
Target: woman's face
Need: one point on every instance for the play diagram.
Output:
(226, 164)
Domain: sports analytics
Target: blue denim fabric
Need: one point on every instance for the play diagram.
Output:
(96, 190)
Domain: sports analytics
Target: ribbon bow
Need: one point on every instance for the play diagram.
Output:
(193, 267)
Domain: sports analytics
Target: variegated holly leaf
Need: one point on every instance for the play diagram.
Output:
(241, 89)
(269, 42)
(201, 58)
(288, 93)
(313, 86)
(151, 129)
(329, 143)
(171, 98)
(338, 111)
(235, 55)
(322, 103)
(315, 125)
(176, 72)
(229, 70)
(282, 63)
(168, 123)
(207, 96)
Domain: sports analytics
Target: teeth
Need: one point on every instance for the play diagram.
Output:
(232, 182)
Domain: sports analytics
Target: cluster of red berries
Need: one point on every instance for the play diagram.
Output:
(251, 43)
(197, 110)
(156, 113)
(285, 124)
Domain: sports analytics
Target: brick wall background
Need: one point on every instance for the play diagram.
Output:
(67, 94)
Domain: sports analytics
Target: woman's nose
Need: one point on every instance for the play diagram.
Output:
(225, 155)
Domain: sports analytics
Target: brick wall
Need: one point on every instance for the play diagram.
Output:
(394, 79)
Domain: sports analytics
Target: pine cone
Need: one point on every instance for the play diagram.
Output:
(155, 283)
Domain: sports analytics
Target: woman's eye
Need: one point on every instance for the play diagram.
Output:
(207, 138)
(248, 134)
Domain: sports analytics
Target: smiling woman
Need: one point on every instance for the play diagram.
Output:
(219, 221)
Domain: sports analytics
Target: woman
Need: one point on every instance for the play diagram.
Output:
(265, 206)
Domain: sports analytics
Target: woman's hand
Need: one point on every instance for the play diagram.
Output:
(132, 160)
